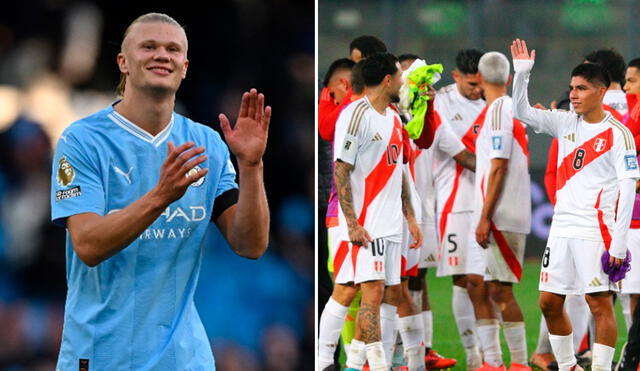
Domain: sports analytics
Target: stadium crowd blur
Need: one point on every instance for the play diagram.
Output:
(58, 64)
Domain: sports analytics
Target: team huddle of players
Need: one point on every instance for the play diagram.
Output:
(456, 197)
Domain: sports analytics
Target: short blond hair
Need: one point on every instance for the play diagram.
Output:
(145, 18)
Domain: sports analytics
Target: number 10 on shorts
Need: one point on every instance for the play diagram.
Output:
(377, 249)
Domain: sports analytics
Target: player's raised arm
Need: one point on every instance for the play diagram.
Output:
(539, 120)
(245, 225)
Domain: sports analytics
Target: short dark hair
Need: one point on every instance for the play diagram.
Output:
(467, 60)
(635, 63)
(368, 45)
(337, 65)
(611, 61)
(357, 81)
(377, 66)
(407, 56)
(592, 72)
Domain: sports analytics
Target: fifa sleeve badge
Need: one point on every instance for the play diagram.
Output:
(497, 143)
(631, 162)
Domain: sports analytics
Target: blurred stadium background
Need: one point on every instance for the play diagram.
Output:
(561, 31)
(57, 64)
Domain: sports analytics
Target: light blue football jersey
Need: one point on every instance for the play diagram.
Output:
(135, 310)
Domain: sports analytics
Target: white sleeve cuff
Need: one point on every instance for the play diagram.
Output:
(522, 65)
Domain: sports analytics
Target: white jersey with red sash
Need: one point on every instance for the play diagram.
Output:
(592, 157)
(372, 143)
(453, 183)
(504, 137)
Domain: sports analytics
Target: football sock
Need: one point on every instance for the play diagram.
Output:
(415, 358)
(357, 355)
(464, 316)
(602, 357)
(388, 329)
(375, 356)
(563, 351)
(427, 327)
(412, 334)
(329, 329)
(488, 331)
(514, 332)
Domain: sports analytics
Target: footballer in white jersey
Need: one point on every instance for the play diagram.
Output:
(592, 157)
(372, 144)
(457, 110)
(414, 291)
(502, 137)
(454, 182)
(462, 118)
(597, 170)
(501, 219)
(373, 196)
(450, 160)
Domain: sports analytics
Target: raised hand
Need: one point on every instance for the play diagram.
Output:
(519, 50)
(248, 137)
(177, 171)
